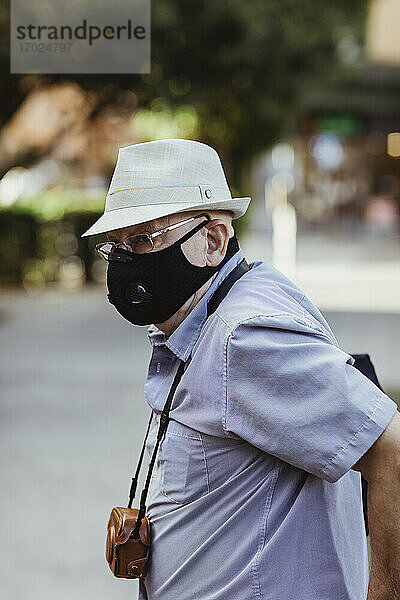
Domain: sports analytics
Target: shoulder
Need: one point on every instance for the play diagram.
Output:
(265, 297)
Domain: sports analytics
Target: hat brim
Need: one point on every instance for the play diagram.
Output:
(125, 217)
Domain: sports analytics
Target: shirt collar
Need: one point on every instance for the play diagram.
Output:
(182, 340)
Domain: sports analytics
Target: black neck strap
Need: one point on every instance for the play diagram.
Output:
(225, 286)
(213, 303)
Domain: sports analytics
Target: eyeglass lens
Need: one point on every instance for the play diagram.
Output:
(138, 243)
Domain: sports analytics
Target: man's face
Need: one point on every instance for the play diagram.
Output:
(194, 248)
(206, 247)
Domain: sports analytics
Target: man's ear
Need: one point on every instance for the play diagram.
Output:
(217, 242)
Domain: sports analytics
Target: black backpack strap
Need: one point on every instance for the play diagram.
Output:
(226, 285)
(364, 364)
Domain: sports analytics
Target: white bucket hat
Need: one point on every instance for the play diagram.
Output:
(155, 179)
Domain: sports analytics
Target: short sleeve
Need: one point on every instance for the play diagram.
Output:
(293, 393)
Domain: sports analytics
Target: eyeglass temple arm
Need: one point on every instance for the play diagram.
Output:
(175, 225)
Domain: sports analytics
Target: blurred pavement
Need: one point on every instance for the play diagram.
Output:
(72, 422)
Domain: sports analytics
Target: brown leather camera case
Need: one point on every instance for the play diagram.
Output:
(127, 556)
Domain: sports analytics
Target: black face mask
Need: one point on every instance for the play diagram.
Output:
(151, 287)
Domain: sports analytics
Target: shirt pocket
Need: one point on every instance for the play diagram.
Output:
(182, 464)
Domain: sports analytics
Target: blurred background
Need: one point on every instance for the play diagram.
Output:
(301, 100)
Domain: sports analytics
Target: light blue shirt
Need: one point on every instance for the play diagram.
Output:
(253, 496)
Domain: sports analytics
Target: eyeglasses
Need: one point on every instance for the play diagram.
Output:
(140, 243)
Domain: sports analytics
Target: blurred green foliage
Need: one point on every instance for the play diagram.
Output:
(54, 203)
(40, 235)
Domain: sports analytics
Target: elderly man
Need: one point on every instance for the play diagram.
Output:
(256, 489)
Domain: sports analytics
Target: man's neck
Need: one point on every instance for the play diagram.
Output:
(169, 326)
